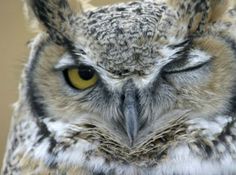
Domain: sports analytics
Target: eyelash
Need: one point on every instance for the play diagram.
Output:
(187, 69)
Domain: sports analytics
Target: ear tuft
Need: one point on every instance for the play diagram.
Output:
(53, 16)
(31, 18)
(218, 9)
(198, 13)
(50, 13)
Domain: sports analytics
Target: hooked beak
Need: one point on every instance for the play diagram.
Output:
(130, 111)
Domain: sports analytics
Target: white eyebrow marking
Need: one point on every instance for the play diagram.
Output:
(197, 57)
(65, 61)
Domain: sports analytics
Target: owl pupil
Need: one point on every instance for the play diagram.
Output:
(86, 73)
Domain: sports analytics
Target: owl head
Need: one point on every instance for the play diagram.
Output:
(120, 83)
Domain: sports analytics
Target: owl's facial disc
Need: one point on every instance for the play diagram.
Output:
(120, 84)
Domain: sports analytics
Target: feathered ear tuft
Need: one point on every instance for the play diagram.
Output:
(53, 16)
(31, 18)
(218, 9)
(198, 13)
(50, 13)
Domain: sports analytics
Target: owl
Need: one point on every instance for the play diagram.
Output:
(145, 87)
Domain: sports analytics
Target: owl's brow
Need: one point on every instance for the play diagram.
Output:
(183, 49)
(67, 61)
(183, 44)
(71, 48)
(74, 56)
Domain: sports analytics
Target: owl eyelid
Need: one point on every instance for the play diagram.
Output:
(195, 60)
(67, 62)
(63, 68)
(187, 69)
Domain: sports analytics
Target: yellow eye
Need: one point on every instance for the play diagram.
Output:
(82, 77)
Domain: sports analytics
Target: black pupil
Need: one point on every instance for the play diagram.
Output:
(86, 73)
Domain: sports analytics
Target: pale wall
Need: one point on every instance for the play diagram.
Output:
(14, 35)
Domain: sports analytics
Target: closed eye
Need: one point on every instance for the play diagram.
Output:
(184, 69)
(196, 59)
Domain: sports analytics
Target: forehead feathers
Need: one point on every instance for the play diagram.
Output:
(125, 38)
(124, 35)
(135, 37)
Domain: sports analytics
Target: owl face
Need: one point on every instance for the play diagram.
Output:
(120, 75)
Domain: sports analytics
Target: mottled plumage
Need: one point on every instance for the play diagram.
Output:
(139, 88)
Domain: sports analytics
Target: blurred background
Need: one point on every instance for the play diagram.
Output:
(14, 34)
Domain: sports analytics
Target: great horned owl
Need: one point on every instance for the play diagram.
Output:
(139, 88)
